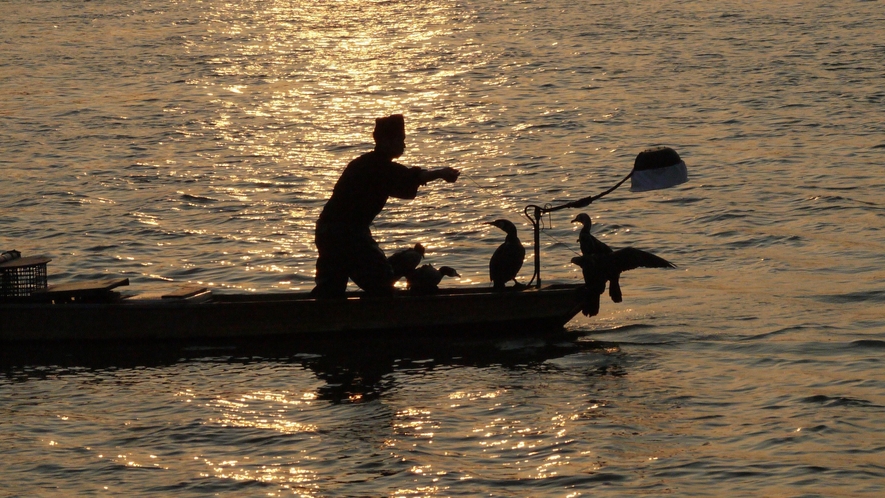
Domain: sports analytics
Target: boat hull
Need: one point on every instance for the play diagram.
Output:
(249, 315)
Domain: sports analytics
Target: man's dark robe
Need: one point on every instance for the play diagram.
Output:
(344, 241)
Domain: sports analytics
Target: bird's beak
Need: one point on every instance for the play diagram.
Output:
(575, 220)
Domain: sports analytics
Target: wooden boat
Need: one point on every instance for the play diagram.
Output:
(94, 311)
(91, 312)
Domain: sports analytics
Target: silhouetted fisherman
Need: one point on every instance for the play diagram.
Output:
(343, 238)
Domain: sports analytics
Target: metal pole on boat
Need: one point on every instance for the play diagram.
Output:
(654, 169)
(537, 231)
(538, 211)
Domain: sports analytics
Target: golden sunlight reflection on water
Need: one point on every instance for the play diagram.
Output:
(296, 89)
(263, 410)
(186, 141)
(321, 70)
(296, 480)
(257, 412)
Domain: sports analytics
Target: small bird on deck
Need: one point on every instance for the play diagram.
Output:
(589, 243)
(601, 268)
(508, 257)
(426, 279)
(406, 260)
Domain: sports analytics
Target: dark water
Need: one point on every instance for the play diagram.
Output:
(173, 142)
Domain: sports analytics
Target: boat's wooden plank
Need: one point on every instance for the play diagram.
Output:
(185, 292)
(82, 287)
(398, 294)
(22, 262)
(474, 311)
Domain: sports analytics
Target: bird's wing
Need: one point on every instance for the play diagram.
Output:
(397, 258)
(498, 261)
(404, 261)
(413, 259)
(506, 261)
(425, 277)
(630, 258)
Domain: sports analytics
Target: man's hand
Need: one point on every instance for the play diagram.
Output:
(449, 174)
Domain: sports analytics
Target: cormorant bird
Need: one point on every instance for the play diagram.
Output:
(589, 243)
(426, 279)
(600, 268)
(406, 260)
(508, 257)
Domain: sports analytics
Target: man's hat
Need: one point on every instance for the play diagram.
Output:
(393, 125)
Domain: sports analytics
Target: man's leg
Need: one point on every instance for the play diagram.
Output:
(330, 280)
(332, 264)
(371, 271)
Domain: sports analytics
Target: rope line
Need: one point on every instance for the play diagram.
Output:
(547, 208)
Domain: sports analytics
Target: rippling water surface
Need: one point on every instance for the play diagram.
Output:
(178, 141)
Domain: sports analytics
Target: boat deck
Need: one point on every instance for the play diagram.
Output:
(199, 313)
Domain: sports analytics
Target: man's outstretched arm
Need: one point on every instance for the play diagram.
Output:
(448, 174)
